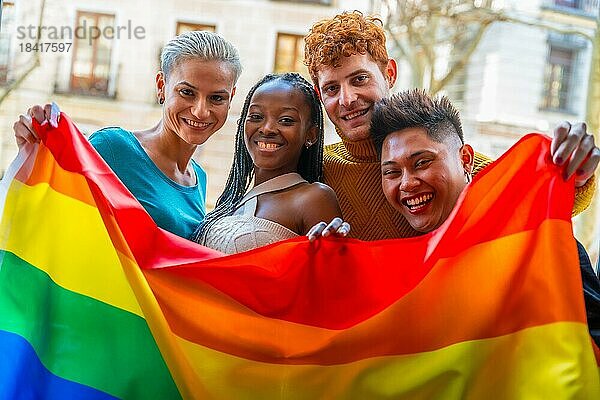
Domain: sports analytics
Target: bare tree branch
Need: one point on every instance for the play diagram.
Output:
(423, 31)
(463, 60)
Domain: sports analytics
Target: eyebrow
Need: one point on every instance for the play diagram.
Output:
(186, 83)
(283, 108)
(413, 155)
(420, 152)
(351, 74)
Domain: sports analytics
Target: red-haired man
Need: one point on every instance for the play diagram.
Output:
(349, 65)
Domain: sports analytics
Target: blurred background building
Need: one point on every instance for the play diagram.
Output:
(515, 66)
(102, 82)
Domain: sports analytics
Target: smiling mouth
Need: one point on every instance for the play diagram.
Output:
(418, 203)
(196, 124)
(268, 146)
(357, 114)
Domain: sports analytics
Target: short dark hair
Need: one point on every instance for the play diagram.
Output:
(415, 109)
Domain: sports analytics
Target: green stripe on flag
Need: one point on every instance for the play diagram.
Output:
(79, 338)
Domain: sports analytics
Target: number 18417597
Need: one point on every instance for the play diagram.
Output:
(45, 47)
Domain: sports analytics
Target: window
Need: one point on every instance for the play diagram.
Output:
(585, 7)
(6, 26)
(188, 26)
(289, 54)
(558, 78)
(90, 69)
(567, 3)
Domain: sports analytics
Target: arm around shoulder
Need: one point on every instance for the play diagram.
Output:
(480, 161)
(584, 196)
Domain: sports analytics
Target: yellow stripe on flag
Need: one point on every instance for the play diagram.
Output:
(67, 239)
(516, 366)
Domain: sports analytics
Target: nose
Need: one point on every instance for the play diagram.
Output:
(200, 109)
(409, 182)
(347, 96)
(268, 127)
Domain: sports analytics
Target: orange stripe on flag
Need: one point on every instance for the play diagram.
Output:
(477, 287)
(46, 170)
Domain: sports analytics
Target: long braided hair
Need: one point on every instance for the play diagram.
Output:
(241, 174)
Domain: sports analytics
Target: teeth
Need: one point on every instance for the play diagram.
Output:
(417, 201)
(354, 115)
(196, 124)
(264, 145)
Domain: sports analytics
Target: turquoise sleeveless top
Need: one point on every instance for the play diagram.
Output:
(176, 208)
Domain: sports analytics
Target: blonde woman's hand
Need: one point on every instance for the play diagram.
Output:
(23, 127)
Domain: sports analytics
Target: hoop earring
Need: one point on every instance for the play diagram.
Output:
(308, 144)
(161, 100)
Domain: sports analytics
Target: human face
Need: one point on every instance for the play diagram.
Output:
(197, 98)
(276, 128)
(349, 92)
(422, 178)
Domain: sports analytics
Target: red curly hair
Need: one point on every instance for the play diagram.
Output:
(344, 35)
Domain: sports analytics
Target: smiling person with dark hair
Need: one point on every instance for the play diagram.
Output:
(425, 166)
(278, 149)
(425, 163)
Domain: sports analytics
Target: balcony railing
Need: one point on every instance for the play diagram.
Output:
(587, 8)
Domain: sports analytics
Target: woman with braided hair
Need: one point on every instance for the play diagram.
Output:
(278, 148)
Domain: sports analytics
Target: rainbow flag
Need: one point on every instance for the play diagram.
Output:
(96, 302)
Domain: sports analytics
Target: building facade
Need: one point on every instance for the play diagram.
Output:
(109, 80)
(528, 79)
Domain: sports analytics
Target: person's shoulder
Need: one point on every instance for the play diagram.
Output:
(316, 203)
(110, 133)
(317, 192)
(113, 142)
